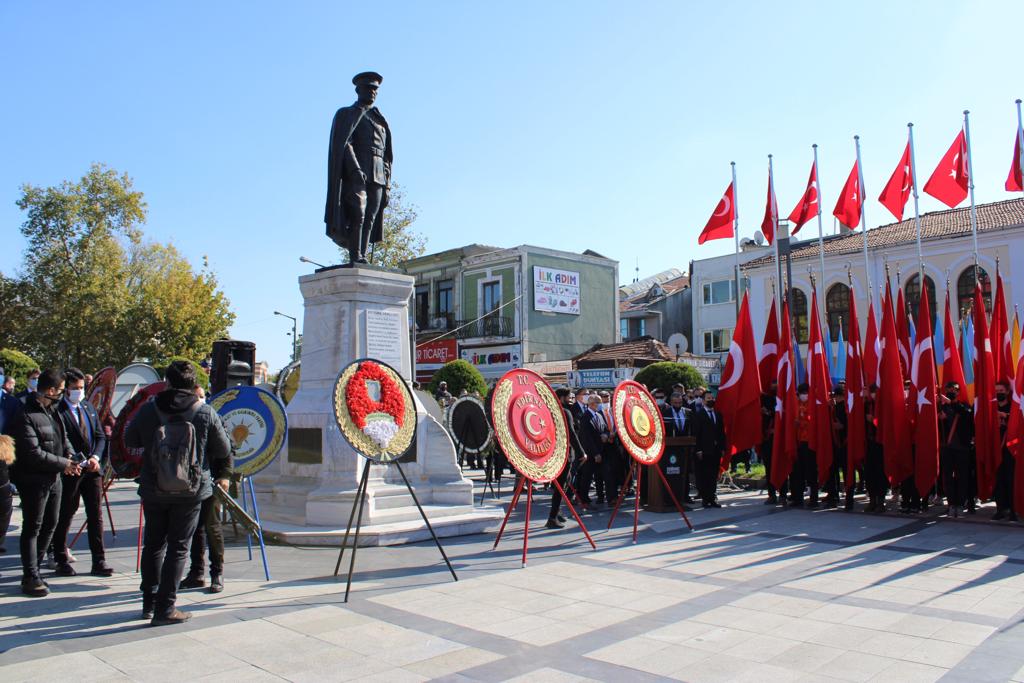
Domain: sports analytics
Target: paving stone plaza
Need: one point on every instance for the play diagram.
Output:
(754, 593)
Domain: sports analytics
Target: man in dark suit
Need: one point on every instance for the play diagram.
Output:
(593, 435)
(43, 452)
(82, 425)
(679, 422)
(709, 430)
(577, 457)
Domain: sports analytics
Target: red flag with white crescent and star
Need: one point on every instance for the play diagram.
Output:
(872, 353)
(926, 422)
(1013, 180)
(987, 444)
(856, 432)
(952, 361)
(848, 205)
(807, 208)
(1015, 436)
(897, 191)
(1002, 367)
(739, 395)
(723, 220)
(771, 214)
(948, 183)
(903, 334)
(891, 411)
(784, 444)
(820, 398)
(768, 356)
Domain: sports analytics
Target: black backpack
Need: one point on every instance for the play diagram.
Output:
(174, 455)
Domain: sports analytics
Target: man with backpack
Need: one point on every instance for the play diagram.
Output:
(185, 450)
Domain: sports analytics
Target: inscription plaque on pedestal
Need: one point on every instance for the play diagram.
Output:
(384, 332)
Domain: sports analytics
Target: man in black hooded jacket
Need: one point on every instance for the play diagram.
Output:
(171, 521)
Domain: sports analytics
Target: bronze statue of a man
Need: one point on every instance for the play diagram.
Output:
(358, 171)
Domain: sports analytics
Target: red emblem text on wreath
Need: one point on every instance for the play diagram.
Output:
(361, 404)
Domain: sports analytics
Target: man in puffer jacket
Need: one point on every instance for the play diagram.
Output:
(171, 520)
(43, 453)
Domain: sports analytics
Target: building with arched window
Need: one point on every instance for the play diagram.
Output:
(948, 253)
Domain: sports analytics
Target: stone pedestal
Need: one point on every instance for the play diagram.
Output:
(306, 495)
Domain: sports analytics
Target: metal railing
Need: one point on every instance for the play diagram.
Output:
(489, 326)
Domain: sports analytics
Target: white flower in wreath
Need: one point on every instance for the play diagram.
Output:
(381, 428)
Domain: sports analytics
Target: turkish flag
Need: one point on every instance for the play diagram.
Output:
(721, 223)
(856, 433)
(1003, 367)
(848, 206)
(872, 350)
(897, 191)
(903, 334)
(892, 405)
(767, 359)
(1015, 436)
(949, 181)
(771, 214)
(821, 397)
(987, 445)
(808, 206)
(1013, 180)
(739, 395)
(952, 361)
(784, 444)
(926, 421)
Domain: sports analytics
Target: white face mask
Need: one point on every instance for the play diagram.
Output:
(75, 396)
(803, 398)
(33, 384)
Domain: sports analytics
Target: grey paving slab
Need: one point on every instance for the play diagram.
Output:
(754, 593)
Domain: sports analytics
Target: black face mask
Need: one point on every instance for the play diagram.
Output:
(951, 395)
(1001, 397)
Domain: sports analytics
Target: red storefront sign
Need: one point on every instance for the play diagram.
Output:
(432, 355)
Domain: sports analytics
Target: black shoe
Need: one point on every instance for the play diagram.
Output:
(102, 569)
(216, 583)
(2, 550)
(554, 524)
(772, 500)
(148, 602)
(34, 587)
(175, 617)
(714, 504)
(1000, 514)
(813, 505)
(192, 581)
(561, 518)
(65, 569)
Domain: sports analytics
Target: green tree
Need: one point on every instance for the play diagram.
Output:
(400, 242)
(201, 376)
(17, 365)
(665, 374)
(459, 375)
(92, 293)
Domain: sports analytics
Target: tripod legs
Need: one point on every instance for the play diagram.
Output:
(357, 503)
(425, 520)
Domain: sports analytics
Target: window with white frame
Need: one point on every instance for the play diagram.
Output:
(717, 341)
(720, 292)
(490, 296)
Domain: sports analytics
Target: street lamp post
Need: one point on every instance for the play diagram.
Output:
(295, 338)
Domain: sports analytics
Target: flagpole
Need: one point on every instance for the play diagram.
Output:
(863, 219)
(917, 213)
(821, 239)
(775, 222)
(736, 234)
(970, 186)
(1020, 145)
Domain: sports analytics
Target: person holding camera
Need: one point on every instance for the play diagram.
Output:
(43, 453)
(82, 425)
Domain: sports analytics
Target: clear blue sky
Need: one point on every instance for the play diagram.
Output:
(571, 125)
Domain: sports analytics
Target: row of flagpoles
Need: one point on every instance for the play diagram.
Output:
(886, 362)
(951, 182)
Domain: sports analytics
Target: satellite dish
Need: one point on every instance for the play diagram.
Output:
(759, 238)
(678, 343)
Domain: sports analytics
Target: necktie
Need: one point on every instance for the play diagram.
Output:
(80, 414)
(679, 419)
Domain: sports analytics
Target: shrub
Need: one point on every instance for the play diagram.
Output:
(664, 374)
(17, 365)
(460, 375)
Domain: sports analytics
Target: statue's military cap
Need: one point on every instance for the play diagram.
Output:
(367, 78)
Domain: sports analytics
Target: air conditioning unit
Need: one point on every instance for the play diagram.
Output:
(438, 323)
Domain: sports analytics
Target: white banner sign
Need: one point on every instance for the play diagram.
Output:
(556, 291)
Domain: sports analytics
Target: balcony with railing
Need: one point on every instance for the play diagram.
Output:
(490, 326)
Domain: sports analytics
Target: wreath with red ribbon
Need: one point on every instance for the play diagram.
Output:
(358, 400)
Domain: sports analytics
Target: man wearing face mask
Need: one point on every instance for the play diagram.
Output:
(1003, 493)
(82, 425)
(33, 383)
(874, 460)
(709, 431)
(9, 405)
(956, 436)
(805, 472)
(43, 452)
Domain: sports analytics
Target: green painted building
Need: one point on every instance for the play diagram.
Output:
(513, 307)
